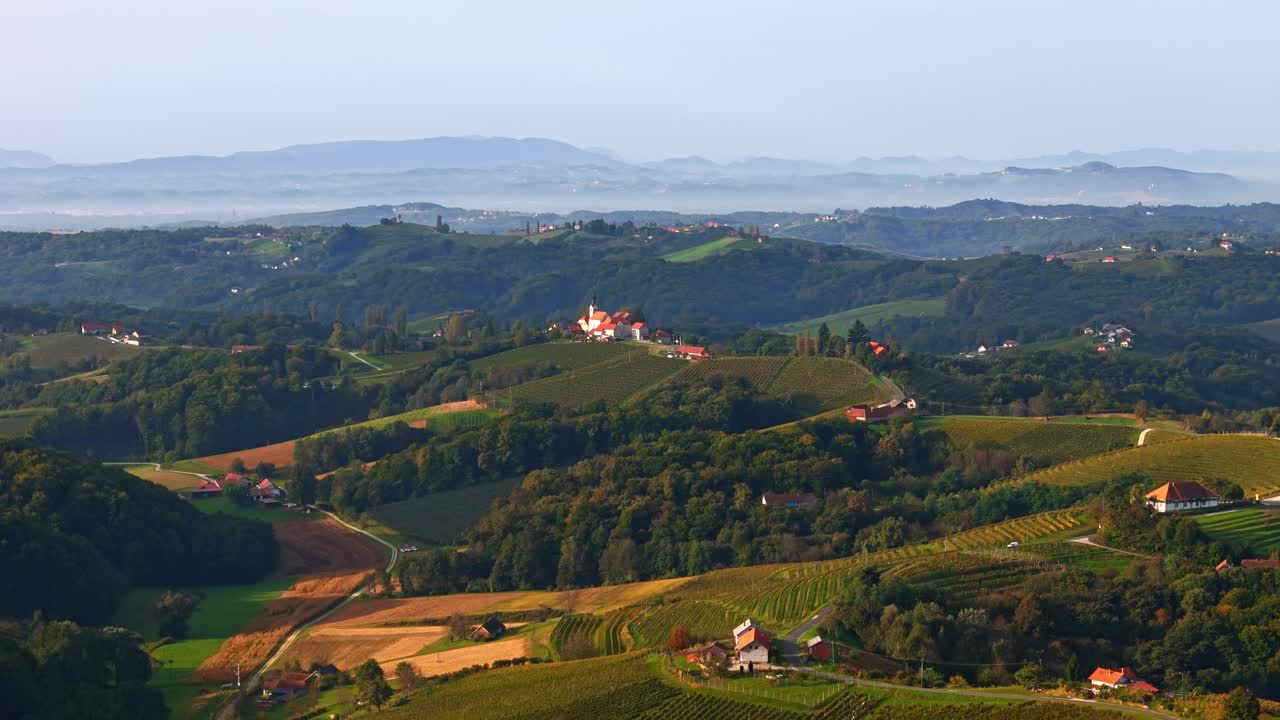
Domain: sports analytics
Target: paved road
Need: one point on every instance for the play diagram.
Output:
(893, 387)
(1142, 436)
(356, 355)
(228, 711)
(791, 641)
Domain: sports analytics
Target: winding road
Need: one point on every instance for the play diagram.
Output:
(228, 711)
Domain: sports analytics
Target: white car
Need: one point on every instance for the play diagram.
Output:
(1015, 543)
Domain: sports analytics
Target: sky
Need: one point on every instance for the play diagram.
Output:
(93, 81)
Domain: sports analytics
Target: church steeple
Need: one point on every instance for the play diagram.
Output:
(591, 310)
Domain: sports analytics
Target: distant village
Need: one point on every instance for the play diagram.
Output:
(114, 333)
(599, 325)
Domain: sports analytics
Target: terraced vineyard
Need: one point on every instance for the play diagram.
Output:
(1251, 461)
(611, 637)
(572, 627)
(700, 706)
(704, 620)
(964, 575)
(611, 382)
(1047, 442)
(1256, 528)
(565, 355)
(759, 371)
(813, 384)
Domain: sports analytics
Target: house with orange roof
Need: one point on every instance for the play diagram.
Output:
(1182, 495)
(206, 489)
(1125, 678)
(751, 643)
(597, 323)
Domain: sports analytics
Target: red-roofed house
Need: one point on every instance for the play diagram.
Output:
(882, 412)
(289, 686)
(877, 349)
(751, 643)
(1124, 678)
(662, 336)
(266, 493)
(93, 328)
(819, 648)
(206, 489)
(1108, 259)
(1181, 495)
(792, 500)
(232, 478)
(692, 352)
(640, 331)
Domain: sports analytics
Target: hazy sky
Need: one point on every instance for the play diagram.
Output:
(91, 80)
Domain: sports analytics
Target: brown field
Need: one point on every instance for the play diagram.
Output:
(464, 657)
(348, 647)
(324, 546)
(308, 597)
(165, 478)
(280, 455)
(593, 600)
(345, 561)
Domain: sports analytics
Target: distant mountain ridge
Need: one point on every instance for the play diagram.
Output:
(24, 159)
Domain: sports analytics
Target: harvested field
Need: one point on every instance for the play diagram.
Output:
(305, 599)
(464, 657)
(279, 454)
(324, 546)
(590, 600)
(164, 478)
(348, 647)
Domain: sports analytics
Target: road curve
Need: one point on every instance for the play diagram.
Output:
(1142, 436)
(228, 710)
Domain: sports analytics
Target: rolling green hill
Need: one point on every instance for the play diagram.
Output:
(813, 385)
(1048, 442)
(870, 315)
(1252, 461)
(564, 355)
(711, 248)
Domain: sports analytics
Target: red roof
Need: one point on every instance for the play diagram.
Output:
(1181, 490)
(637, 325)
(691, 350)
(266, 485)
(1124, 676)
(753, 634)
(877, 348)
(92, 327)
(208, 486)
(233, 477)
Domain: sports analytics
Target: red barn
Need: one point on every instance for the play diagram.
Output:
(820, 648)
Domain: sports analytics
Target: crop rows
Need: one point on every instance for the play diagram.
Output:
(609, 637)
(564, 355)
(611, 382)
(758, 371)
(1020, 529)
(816, 384)
(699, 706)
(983, 711)
(703, 619)
(1258, 529)
(573, 626)
(1251, 461)
(1047, 442)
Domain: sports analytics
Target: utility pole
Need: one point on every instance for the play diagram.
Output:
(237, 674)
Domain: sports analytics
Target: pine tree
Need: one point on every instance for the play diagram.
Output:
(824, 338)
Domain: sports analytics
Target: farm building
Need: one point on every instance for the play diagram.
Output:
(289, 686)
(791, 500)
(751, 643)
(877, 349)
(1124, 678)
(639, 331)
(1181, 495)
(880, 413)
(709, 655)
(266, 493)
(206, 489)
(662, 336)
(489, 629)
(93, 328)
(692, 352)
(819, 648)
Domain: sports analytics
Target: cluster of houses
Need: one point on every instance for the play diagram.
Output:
(264, 492)
(752, 646)
(114, 333)
(1111, 336)
(603, 326)
(883, 412)
(989, 349)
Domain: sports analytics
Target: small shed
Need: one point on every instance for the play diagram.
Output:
(820, 648)
(489, 629)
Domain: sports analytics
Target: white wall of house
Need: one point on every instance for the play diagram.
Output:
(755, 652)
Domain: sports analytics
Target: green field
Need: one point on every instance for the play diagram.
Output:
(439, 518)
(1048, 442)
(870, 315)
(253, 512)
(564, 355)
(813, 384)
(759, 371)
(1251, 461)
(16, 423)
(611, 382)
(51, 351)
(1258, 529)
(708, 249)
(433, 415)
(221, 613)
